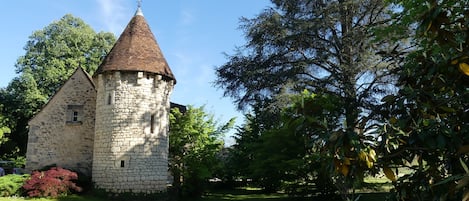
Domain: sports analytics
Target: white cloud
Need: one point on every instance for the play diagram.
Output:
(114, 14)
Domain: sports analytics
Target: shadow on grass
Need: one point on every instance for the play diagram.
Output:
(257, 195)
(86, 197)
(242, 194)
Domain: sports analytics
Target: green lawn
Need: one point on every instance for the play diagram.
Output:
(244, 194)
(256, 195)
(68, 198)
(372, 193)
(233, 196)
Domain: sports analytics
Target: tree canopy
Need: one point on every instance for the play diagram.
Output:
(427, 121)
(326, 47)
(54, 52)
(51, 55)
(371, 85)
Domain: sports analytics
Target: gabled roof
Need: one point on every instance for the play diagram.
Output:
(136, 50)
(78, 72)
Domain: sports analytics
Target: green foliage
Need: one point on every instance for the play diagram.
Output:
(4, 129)
(19, 161)
(278, 158)
(54, 52)
(241, 155)
(427, 127)
(302, 44)
(328, 48)
(194, 144)
(51, 55)
(10, 185)
(298, 153)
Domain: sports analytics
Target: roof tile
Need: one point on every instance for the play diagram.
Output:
(136, 50)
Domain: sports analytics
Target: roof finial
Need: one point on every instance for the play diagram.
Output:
(139, 8)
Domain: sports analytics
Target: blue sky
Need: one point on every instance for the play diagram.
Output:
(193, 35)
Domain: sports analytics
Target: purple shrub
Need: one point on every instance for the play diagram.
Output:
(51, 183)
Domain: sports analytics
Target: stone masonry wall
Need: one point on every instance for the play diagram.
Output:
(59, 136)
(131, 134)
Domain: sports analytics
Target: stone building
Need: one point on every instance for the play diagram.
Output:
(113, 125)
(62, 132)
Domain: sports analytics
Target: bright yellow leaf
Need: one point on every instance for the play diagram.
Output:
(372, 155)
(389, 174)
(455, 61)
(362, 156)
(464, 67)
(369, 164)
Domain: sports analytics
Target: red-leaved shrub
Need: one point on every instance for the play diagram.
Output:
(51, 183)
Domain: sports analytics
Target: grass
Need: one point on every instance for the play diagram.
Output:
(376, 184)
(67, 198)
(244, 194)
(247, 194)
(375, 190)
(232, 195)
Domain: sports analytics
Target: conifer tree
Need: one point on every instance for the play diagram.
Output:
(328, 48)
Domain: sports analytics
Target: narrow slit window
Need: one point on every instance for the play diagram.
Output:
(109, 98)
(152, 123)
(122, 164)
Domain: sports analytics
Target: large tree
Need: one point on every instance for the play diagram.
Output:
(327, 47)
(52, 54)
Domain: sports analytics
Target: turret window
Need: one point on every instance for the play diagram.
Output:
(122, 162)
(152, 123)
(110, 98)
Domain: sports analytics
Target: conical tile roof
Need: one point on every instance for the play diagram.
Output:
(136, 50)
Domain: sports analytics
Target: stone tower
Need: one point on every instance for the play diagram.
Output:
(133, 86)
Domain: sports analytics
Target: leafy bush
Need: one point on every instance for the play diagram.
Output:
(11, 184)
(51, 183)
